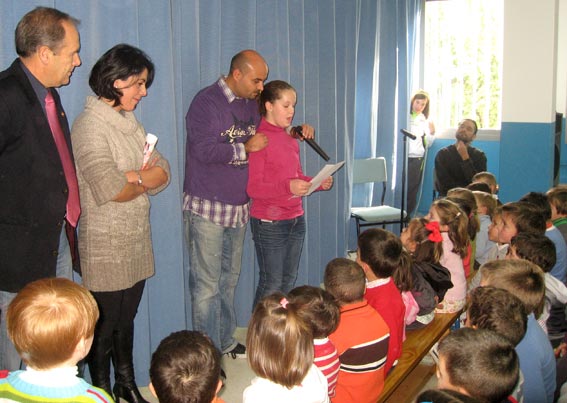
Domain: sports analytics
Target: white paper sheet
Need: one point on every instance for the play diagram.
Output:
(323, 174)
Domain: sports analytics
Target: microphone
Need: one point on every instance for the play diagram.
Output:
(408, 134)
(297, 131)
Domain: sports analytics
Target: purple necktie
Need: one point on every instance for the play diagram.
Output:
(73, 203)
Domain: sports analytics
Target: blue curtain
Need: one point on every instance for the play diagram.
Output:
(348, 59)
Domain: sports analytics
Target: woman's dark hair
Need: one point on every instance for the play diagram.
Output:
(119, 63)
(271, 93)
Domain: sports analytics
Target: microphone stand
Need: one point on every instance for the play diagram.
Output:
(404, 174)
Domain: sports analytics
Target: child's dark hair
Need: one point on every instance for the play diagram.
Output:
(185, 368)
(467, 202)
(526, 217)
(557, 196)
(498, 310)
(279, 343)
(425, 250)
(317, 308)
(479, 187)
(536, 248)
(540, 201)
(271, 93)
(481, 362)
(444, 396)
(345, 280)
(453, 217)
(381, 250)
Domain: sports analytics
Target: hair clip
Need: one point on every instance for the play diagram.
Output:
(435, 233)
(284, 302)
(458, 214)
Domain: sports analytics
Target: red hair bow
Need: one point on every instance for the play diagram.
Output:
(435, 234)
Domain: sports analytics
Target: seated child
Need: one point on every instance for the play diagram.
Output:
(431, 281)
(557, 198)
(479, 363)
(362, 336)
(380, 254)
(466, 201)
(508, 221)
(485, 208)
(51, 323)
(540, 250)
(498, 310)
(321, 312)
(489, 179)
(526, 281)
(185, 368)
(280, 352)
(453, 224)
(499, 250)
(540, 202)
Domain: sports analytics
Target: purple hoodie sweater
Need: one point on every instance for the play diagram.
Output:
(213, 126)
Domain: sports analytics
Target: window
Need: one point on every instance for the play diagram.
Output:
(462, 61)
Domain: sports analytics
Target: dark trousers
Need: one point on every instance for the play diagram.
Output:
(414, 181)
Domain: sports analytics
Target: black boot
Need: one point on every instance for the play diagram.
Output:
(125, 386)
(99, 363)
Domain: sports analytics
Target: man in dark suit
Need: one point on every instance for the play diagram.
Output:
(39, 206)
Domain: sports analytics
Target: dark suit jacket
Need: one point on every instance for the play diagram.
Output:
(33, 190)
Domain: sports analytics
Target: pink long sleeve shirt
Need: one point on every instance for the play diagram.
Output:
(270, 173)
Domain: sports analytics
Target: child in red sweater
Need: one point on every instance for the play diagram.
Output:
(381, 253)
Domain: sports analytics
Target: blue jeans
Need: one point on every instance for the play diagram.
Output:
(9, 357)
(215, 254)
(278, 249)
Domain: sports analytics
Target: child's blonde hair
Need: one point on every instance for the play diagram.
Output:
(47, 320)
(521, 277)
(467, 202)
(279, 342)
(451, 215)
(484, 199)
(486, 177)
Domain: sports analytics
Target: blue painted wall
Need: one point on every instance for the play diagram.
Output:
(526, 158)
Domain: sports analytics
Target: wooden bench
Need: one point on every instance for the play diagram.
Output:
(415, 347)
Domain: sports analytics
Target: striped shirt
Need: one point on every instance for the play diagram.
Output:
(327, 360)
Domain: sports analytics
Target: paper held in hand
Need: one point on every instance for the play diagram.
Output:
(323, 174)
(151, 140)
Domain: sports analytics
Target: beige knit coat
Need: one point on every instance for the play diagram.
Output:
(114, 237)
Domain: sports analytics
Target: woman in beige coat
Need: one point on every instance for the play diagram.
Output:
(114, 233)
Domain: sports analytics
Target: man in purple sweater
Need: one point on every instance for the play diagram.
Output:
(221, 131)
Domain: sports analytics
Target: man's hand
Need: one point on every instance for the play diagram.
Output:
(299, 187)
(255, 143)
(462, 150)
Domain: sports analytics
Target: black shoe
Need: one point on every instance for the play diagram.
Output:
(130, 393)
(238, 352)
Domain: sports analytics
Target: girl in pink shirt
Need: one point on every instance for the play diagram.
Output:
(276, 184)
(453, 224)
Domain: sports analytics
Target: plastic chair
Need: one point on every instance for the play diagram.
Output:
(373, 170)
